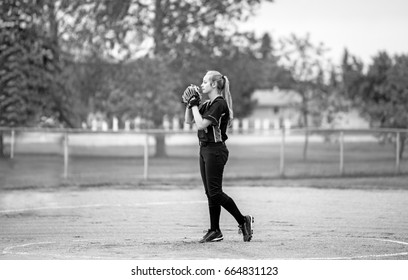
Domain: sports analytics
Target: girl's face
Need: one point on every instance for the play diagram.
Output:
(206, 86)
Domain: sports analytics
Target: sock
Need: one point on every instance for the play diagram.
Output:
(215, 212)
(232, 208)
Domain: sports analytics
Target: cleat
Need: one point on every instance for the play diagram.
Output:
(246, 228)
(212, 236)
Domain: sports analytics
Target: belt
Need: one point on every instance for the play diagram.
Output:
(211, 144)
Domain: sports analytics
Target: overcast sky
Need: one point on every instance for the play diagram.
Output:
(365, 27)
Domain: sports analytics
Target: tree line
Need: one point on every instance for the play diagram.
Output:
(63, 59)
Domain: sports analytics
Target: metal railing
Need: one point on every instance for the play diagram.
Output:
(65, 143)
(341, 136)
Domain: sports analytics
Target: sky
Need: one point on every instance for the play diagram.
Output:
(364, 27)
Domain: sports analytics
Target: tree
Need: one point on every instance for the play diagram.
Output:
(235, 56)
(128, 86)
(176, 30)
(143, 88)
(84, 35)
(173, 23)
(308, 67)
(266, 49)
(397, 108)
(29, 67)
(271, 73)
(381, 92)
(85, 28)
(172, 27)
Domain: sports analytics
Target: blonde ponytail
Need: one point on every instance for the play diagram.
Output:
(227, 96)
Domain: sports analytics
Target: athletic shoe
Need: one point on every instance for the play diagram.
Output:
(246, 228)
(212, 236)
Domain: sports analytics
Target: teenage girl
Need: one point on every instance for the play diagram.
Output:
(212, 119)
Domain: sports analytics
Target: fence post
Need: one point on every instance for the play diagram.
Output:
(341, 140)
(66, 151)
(12, 144)
(146, 158)
(397, 153)
(282, 153)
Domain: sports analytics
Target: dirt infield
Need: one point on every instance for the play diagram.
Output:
(165, 222)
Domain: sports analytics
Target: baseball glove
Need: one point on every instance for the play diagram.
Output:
(190, 92)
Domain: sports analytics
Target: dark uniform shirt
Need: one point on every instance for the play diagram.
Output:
(218, 113)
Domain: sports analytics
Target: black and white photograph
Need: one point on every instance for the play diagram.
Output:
(203, 139)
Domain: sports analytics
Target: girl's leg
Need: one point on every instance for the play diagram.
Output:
(215, 213)
(214, 209)
(214, 161)
(232, 208)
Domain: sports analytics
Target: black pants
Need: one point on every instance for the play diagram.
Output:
(212, 161)
(213, 158)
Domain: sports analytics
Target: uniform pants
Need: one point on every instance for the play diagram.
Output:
(212, 161)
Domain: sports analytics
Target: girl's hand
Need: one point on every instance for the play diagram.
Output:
(194, 101)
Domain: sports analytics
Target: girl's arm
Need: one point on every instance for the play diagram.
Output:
(200, 122)
(188, 116)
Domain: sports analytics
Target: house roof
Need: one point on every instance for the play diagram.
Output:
(276, 97)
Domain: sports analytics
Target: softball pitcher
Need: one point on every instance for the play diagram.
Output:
(211, 120)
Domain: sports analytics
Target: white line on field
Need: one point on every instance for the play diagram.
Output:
(9, 249)
(5, 211)
(393, 241)
(370, 256)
